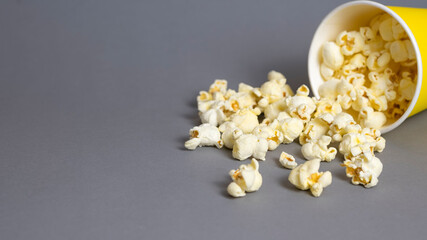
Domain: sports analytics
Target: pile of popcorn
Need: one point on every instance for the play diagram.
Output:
(370, 78)
(253, 121)
(371, 72)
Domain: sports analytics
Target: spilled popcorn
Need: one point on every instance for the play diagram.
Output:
(370, 78)
(253, 121)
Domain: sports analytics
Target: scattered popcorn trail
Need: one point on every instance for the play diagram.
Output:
(315, 122)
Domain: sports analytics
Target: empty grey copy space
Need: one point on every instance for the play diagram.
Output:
(96, 100)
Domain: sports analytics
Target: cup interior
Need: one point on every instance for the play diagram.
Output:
(351, 16)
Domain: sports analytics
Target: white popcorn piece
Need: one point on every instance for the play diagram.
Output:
(274, 137)
(235, 190)
(316, 128)
(273, 110)
(410, 50)
(386, 29)
(213, 116)
(326, 105)
(245, 179)
(273, 75)
(326, 72)
(274, 89)
(367, 34)
(398, 51)
(307, 176)
(332, 56)
(406, 89)
(363, 170)
(228, 130)
(243, 87)
(301, 105)
(328, 89)
(291, 129)
(204, 135)
(376, 21)
(246, 119)
(220, 85)
(380, 83)
(377, 61)
(340, 126)
(247, 145)
(350, 42)
(371, 119)
(351, 140)
(397, 30)
(318, 149)
(240, 100)
(356, 64)
(373, 46)
(287, 160)
(367, 141)
(374, 138)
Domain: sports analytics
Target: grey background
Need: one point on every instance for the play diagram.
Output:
(96, 100)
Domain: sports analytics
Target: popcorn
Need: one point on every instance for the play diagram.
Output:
(406, 89)
(245, 179)
(372, 119)
(246, 119)
(386, 29)
(318, 149)
(228, 130)
(219, 86)
(316, 128)
(367, 138)
(306, 176)
(397, 30)
(357, 64)
(204, 135)
(350, 42)
(274, 109)
(291, 129)
(374, 137)
(332, 56)
(377, 61)
(274, 89)
(367, 34)
(380, 53)
(326, 105)
(340, 126)
(327, 73)
(214, 116)
(363, 170)
(287, 160)
(274, 137)
(247, 145)
(329, 89)
(273, 75)
(301, 105)
(316, 122)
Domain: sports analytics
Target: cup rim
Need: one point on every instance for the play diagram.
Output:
(312, 54)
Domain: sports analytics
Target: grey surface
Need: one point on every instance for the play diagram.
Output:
(97, 98)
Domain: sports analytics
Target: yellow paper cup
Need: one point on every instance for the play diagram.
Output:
(351, 16)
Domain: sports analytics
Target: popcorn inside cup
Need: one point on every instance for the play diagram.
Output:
(371, 71)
